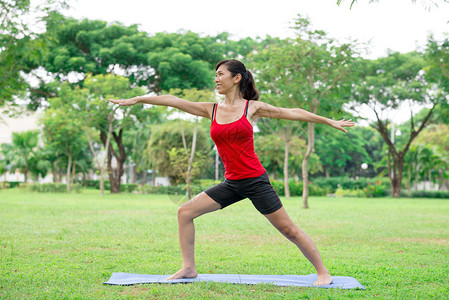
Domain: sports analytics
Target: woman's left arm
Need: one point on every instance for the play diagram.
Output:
(265, 110)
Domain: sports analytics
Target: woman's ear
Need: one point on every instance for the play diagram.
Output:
(237, 78)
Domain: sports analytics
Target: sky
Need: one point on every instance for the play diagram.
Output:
(398, 25)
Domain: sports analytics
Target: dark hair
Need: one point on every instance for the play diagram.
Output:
(247, 85)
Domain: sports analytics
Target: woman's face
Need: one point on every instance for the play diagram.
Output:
(224, 80)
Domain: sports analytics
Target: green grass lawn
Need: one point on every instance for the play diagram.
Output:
(66, 246)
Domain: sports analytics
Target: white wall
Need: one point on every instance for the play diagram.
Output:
(9, 125)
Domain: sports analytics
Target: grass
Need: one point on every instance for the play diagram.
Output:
(66, 246)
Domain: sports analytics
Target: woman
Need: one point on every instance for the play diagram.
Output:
(245, 177)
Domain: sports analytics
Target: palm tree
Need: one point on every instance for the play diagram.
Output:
(20, 152)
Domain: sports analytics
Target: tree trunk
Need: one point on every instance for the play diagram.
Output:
(286, 187)
(134, 175)
(73, 173)
(398, 157)
(305, 162)
(69, 166)
(153, 178)
(53, 171)
(144, 177)
(396, 175)
(116, 174)
(409, 181)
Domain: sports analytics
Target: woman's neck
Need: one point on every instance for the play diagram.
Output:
(233, 98)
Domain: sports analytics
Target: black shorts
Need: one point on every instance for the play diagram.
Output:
(258, 189)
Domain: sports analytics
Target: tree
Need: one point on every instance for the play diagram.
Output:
(63, 130)
(436, 136)
(20, 152)
(89, 108)
(40, 163)
(109, 120)
(160, 62)
(304, 72)
(281, 149)
(344, 155)
(195, 96)
(437, 58)
(18, 43)
(167, 138)
(385, 84)
(136, 139)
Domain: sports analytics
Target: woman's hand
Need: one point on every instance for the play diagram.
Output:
(342, 123)
(125, 102)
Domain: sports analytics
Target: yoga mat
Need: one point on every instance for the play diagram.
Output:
(281, 280)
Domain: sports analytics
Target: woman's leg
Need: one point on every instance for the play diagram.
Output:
(196, 207)
(285, 225)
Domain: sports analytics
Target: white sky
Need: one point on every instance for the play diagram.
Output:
(399, 25)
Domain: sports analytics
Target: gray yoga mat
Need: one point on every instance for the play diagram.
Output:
(281, 280)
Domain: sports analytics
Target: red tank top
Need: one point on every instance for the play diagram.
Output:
(235, 144)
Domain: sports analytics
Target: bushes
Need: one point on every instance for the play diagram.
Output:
(375, 190)
(53, 188)
(10, 184)
(430, 194)
(96, 184)
(296, 188)
(161, 189)
(128, 187)
(346, 183)
(349, 193)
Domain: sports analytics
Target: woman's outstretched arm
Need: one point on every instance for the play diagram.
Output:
(297, 114)
(202, 109)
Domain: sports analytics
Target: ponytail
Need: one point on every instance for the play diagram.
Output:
(247, 84)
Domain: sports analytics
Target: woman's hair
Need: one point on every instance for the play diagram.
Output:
(247, 85)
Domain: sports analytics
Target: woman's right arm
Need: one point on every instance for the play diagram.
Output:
(202, 109)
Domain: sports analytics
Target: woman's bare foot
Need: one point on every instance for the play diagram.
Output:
(323, 279)
(184, 273)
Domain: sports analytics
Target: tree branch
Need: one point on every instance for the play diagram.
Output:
(414, 134)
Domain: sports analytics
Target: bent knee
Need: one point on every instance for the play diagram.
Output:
(186, 211)
(183, 212)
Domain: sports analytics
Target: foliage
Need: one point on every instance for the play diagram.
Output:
(90, 183)
(179, 164)
(347, 183)
(109, 120)
(53, 187)
(270, 143)
(162, 189)
(343, 155)
(296, 188)
(375, 190)
(384, 85)
(430, 194)
(129, 187)
(135, 139)
(341, 192)
(437, 56)
(20, 50)
(168, 136)
(158, 62)
(426, 162)
(311, 71)
(63, 129)
(19, 154)
(14, 184)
